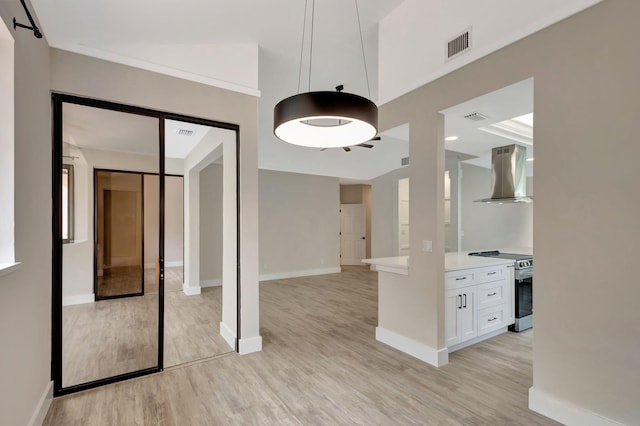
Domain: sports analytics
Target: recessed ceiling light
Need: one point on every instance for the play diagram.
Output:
(451, 138)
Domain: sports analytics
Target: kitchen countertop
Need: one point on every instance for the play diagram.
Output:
(453, 261)
(396, 264)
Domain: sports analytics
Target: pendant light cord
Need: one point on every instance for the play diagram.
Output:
(313, 14)
(364, 59)
(304, 30)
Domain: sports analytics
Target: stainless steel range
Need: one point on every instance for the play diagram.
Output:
(523, 273)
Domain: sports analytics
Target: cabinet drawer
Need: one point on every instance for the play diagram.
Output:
(491, 319)
(490, 275)
(492, 294)
(458, 281)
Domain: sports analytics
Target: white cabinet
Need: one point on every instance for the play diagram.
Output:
(460, 318)
(478, 303)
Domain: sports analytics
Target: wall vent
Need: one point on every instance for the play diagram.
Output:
(459, 44)
(404, 161)
(476, 116)
(185, 132)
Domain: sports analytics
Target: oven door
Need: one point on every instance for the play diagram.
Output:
(523, 300)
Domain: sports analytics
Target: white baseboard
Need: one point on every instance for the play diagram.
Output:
(409, 346)
(477, 339)
(228, 335)
(211, 283)
(250, 345)
(302, 273)
(43, 406)
(78, 299)
(191, 291)
(565, 412)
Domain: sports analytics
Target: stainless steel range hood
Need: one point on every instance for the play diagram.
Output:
(508, 175)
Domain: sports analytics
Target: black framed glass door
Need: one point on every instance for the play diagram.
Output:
(107, 308)
(108, 330)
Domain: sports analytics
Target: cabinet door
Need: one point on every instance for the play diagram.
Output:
(453, 303)
(460, 315)
(467, 322)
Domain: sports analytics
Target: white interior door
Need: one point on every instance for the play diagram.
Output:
(352, 234)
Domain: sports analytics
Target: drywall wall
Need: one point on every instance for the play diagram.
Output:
(492, 226)
(585, 223)
(384, 213)
(299, 224)
(25, 293)
(425, 27)
(77, 74)
(211, 208)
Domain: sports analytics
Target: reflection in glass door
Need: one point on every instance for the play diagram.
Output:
(119, 238)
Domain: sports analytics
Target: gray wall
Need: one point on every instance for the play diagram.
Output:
(585, 231)
(25, 294)
(211, 225)
(299, 224)
(492, 226)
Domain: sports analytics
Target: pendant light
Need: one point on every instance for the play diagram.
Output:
(326, 119)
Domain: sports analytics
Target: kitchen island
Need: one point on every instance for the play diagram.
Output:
(478, 302)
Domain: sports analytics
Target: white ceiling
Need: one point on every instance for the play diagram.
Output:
(506, 103)
(190, 33)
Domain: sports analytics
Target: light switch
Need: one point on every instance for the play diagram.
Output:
(427, 245)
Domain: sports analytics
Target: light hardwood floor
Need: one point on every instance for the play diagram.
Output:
(321, 364)
(117, 336)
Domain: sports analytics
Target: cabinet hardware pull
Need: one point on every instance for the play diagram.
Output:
(465, 300)
(492, 294)
(461, 278)
(510, 266)
(491, 273)
(460, 300)
(493, 319)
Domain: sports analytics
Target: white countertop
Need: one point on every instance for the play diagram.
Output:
(456, 261)
(396, 264)
(453, 261)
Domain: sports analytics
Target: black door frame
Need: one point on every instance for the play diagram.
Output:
(58, 99)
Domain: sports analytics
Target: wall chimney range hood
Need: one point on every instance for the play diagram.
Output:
(508, 175)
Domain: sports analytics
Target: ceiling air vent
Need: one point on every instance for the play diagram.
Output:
(459, 44)
(185, 132)
(475, 116)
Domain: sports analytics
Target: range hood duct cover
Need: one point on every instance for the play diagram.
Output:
(508, 175)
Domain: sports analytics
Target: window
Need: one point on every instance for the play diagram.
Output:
(67, 203)
(7, 159)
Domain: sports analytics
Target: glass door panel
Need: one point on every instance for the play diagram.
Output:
(110, 290)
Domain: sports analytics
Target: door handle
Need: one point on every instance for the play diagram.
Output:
(459, 301)
(465, 300)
